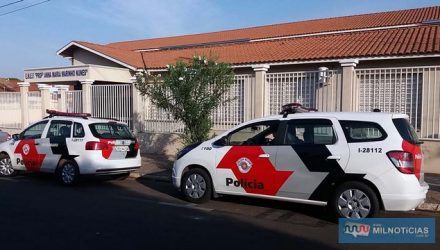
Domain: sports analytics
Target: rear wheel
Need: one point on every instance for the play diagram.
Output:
(354, 200)
(68, 173)
(196, 186)
(6, 169)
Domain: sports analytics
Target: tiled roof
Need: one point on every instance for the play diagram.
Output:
(403, 41)
(126, 56)
(11, 85)
(382, 19)
(417, 39)
(8, 85)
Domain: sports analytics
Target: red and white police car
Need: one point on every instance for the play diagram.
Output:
(70, 145)
(354, 163)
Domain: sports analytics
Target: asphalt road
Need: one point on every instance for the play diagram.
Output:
(37, 213)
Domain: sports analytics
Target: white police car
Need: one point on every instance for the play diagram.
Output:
(70, 145)
(354, 163)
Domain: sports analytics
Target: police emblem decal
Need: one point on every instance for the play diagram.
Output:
(26, 149)
(244, 165)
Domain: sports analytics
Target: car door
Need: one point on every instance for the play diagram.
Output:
(28, 153)
(246, 163)
(54, 145)
(317, 153)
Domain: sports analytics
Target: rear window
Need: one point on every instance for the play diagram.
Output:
(406, 130)
(360, 131)
(111, 131)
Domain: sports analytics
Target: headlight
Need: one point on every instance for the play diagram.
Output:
(185, 150)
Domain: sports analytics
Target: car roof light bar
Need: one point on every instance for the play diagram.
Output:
(293, 108)
(53, 113)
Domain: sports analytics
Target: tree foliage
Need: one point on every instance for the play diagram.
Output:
(190, 92)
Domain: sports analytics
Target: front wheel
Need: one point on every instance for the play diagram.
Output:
(68, 173)
(354, 200)
(6, 169)
(196, 186)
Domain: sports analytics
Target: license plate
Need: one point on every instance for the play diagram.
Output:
(121, 148)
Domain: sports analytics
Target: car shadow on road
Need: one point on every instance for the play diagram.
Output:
(288, 209)
(116, 215)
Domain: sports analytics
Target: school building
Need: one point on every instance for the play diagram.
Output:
(388, 60)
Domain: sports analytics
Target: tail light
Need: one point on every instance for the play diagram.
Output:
(403, 161)
(96, 145)
(136, 146)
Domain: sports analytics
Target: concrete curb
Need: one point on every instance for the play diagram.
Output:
(431, 207)
(163, 178)
(134, 175)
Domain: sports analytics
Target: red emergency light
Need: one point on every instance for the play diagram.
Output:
(69, 114)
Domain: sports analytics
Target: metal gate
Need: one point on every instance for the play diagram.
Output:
(410, 90)
(314, 89)
(112, 101)
(74, 101)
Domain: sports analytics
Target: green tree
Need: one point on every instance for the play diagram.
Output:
(190, 92)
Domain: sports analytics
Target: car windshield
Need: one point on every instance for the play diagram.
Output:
(111, 130)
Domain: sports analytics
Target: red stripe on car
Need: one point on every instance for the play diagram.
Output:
(32, 160)
(261, 171)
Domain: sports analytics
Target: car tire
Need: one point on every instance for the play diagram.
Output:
(196, 186)
(68, 173)
(354, 200)
(6, 169)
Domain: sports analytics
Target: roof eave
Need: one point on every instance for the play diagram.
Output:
(66, 52)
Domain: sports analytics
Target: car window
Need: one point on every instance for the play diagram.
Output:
(310, 131)
(59, 129)
(361, 131)
(111, 130)
(34, 132)
(262, 133)
(78, 130)
(406, 130)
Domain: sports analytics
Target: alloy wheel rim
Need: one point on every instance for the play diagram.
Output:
(354, 203)
(6, 167)
(68, 173)
(195, 186)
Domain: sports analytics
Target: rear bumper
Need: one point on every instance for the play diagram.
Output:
(405, 202)
(98, 166)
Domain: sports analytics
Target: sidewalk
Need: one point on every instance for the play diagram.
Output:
(158, 167)
(154, 166)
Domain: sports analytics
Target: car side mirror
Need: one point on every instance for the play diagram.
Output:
(16, 137)
(221, 142)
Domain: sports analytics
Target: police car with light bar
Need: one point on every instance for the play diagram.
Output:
(353, 163)
(70, 145)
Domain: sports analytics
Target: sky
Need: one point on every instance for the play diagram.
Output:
(30, 38)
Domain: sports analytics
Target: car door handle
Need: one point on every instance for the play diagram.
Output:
(36, 143)
(264, 156)
(334, 157)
